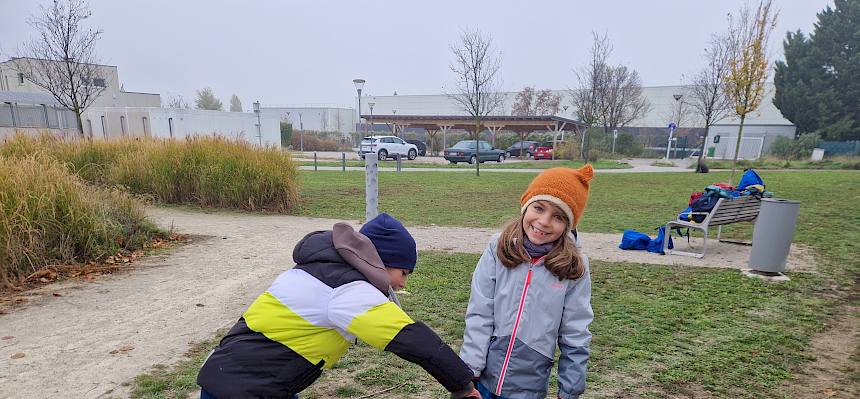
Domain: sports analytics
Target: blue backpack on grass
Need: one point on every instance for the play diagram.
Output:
(634, 240)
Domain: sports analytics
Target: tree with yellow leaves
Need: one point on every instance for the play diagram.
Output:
(748, 35)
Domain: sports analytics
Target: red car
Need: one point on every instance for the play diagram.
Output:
(543, 151)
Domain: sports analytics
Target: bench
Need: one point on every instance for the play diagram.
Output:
(726, 211)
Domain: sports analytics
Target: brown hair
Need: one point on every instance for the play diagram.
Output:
(563, 261)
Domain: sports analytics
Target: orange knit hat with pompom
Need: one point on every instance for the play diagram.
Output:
(564, 187)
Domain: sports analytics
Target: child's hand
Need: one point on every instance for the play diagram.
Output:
(474, 394)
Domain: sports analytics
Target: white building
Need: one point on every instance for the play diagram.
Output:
(760, 128)
(27, 108)
(321, 119)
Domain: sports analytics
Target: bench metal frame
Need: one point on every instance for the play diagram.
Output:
(726, 211)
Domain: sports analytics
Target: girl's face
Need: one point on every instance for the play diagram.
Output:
(543, 222)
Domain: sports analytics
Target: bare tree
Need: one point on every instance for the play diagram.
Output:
(588, 98)
(236, 104)
(62, 59)
(524, 102)
(176, 101)
(476, 67)
(623, 101)
(531, 102)
(206, 100)
(748, 68)
(706, 95)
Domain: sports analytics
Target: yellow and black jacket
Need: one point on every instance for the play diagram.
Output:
(309, 316)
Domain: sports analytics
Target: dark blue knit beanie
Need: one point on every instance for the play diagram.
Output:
(395, 245)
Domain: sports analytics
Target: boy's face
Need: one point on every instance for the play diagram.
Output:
(397, 277)
(543, 222)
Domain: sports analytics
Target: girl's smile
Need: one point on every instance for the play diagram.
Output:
(543, 222)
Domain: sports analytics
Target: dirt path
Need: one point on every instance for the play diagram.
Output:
(829, 376)
(94, 336)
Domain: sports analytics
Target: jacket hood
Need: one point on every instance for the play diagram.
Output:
(343, 244)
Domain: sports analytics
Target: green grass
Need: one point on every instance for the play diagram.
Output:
(772, 163)
(658, 330)
(602, 164)
(176, 381)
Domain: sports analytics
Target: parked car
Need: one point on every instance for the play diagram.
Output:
(543, 151)
(422, 147)
(386, 147)
(464, 151)
(528, 148)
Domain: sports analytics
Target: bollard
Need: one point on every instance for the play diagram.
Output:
(398, 162)
(371, 184)
(315, 161)
(343, 162)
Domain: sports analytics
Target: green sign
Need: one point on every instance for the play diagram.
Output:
(716, 139)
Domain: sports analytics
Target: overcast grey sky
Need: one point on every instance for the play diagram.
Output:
(308, 52)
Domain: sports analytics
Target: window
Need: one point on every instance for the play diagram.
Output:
(387, 140)
(145, 121)
(20, 78)
(399, 141)
(104, 127)
(170, 126)
(90, 126)
(99, 82)
(122, 124)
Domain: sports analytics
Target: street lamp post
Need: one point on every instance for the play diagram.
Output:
(301, 134)
(359, 85)
(673, 125)
(371, 104)
(259, 127)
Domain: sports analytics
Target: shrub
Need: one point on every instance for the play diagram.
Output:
(49, 215)
(203, 170)
(794, 149)
(316, 142)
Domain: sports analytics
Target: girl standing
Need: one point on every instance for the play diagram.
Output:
(531, 293)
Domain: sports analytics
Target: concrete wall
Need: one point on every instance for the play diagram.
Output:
(108, 122)
(323, 119)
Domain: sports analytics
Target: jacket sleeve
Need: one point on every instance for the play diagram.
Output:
(360, 309)
(574, 337)
(480, 322)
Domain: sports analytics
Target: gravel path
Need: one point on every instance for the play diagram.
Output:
(85, 339)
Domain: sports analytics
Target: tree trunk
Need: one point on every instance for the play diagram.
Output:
(80, 122)
(737, 150)
(701, 161)
(477, 147)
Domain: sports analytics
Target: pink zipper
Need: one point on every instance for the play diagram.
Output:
(516, 326)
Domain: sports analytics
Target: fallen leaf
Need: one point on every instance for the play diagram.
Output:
(830, 392)
(8, 337)
(122, 349)
(56, 294)
(18, 355)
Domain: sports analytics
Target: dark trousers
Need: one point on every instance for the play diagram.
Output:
(206, 395)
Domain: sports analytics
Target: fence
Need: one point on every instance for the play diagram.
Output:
(36, 116)
(837, 148)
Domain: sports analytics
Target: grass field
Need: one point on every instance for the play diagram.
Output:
(602, 164)
(657, 329)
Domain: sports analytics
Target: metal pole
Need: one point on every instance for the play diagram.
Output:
(315, 161)
(614, 137)
(398, 162)
(343, 162)
(301, 134)
(371, 184)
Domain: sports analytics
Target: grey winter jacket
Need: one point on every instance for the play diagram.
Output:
(554, 312)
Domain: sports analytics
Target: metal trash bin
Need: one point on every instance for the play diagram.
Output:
(772, 235)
